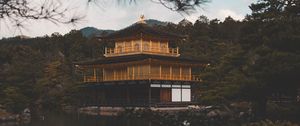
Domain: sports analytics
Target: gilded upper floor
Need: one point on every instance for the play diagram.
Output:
(131, 47)
(139, 72)
(141, 39)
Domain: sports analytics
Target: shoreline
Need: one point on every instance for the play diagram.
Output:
(115, 111)
(7, 117)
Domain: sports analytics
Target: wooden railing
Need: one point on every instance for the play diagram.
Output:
(141, 77)
(129, 50)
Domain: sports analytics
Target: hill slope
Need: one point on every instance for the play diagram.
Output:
(90, 32)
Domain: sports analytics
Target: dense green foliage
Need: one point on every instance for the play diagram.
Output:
(38, 72)
(250, 60)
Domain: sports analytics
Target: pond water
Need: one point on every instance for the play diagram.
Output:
(84, 120)
(60, 119)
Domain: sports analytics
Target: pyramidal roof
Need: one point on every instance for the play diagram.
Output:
(141, 30)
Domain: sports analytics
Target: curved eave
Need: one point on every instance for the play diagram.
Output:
(142, 58)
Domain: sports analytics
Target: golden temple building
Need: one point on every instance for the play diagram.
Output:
(143, 68)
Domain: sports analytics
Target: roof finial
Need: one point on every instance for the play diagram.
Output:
(142, 19)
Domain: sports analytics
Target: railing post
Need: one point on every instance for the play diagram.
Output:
(170, 77)
(141, 50)
(159, 71)
(190, 72)
(180, 73)
(105, 50)
(114, 78)
(177, 50)
(95, 74)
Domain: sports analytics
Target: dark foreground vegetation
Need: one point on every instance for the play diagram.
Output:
(206, 116)
(256, 60)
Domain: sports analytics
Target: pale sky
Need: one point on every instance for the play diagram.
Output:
(109, 14)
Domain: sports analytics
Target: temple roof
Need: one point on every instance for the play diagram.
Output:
(139, 57)
(141, 31)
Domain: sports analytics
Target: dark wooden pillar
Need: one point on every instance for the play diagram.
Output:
(149, 95)
(127, 95)
(95, 101)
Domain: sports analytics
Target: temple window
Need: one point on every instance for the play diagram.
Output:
(163, 48)
(146, 47)
(119, 49)
(137, 47)
(128, 47)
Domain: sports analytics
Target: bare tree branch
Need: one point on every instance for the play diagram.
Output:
(185, 6)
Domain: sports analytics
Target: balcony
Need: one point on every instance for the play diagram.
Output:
(92, 79)
(110, 52)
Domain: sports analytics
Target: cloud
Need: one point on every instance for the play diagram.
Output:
(223, 13)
